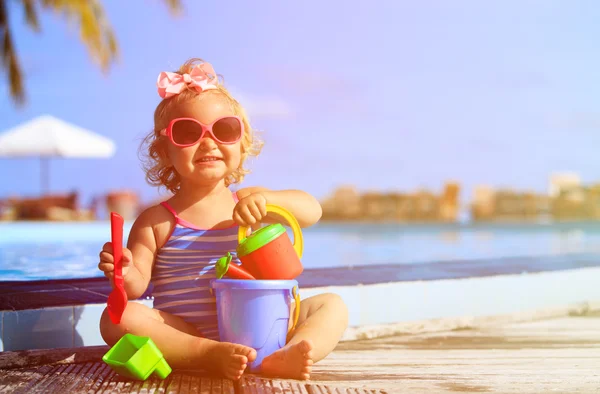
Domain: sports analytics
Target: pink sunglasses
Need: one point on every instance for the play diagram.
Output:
(188, 131)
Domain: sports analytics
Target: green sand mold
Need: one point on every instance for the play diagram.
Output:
(137, 358)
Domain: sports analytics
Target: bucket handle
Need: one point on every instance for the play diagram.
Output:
(296, 295)
(287, 215)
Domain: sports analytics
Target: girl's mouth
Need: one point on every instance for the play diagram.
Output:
(208, 158)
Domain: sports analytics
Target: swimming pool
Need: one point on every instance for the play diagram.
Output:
(44, 250)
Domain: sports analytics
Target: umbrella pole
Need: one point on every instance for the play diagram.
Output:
(44, 174)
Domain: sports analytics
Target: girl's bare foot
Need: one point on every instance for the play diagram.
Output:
(229, 359)
(291, 362)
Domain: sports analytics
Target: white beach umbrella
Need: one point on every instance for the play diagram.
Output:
(47, 137)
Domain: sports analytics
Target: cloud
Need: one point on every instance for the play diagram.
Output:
(264, 107)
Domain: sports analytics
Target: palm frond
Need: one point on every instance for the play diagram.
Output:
(31, 14)
(174, 5)
(14, 72)
(10, 61)
(94, 30)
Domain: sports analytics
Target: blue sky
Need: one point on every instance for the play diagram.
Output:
(387, 95)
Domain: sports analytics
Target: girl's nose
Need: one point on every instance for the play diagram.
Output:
(207, 142)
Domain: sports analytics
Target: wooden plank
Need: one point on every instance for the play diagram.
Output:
(279, 386)
(174, 381)
(251, 384)
(184, 386)
(80, 370)
(195, 385)
(99, 378)
(92, 378)
(206, 386)
(556, 355)
(65, 380)
(29, 358)
(14, 379)
(328, 389)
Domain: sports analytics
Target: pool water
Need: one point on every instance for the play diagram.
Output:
(42, 250)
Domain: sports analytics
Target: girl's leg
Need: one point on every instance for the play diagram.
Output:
(178, 341)
(322, 322)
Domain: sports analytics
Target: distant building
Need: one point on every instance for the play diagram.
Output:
(449, 202)
(423, 206)
(344, 203)
(482, 207)
(378, 206)
(567, 199)
(427, 206)
(577, 203)
(508, 205)
(565, 181)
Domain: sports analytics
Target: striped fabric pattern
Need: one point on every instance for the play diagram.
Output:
(182, 272)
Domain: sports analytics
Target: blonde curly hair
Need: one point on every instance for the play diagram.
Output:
(153, 147)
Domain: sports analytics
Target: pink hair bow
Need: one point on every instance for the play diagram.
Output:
(202, 77)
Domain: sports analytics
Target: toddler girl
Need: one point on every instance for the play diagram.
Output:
(197, 149)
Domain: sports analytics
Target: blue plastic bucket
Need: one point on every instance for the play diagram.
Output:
(255, 313)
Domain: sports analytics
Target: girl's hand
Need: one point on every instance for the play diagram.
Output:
(107, 261)
(250, 210)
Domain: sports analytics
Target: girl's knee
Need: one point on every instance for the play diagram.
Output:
(336, 302)
(108, 330)
(333, 302)
(112, 332)
(338, 309)
(332, 299)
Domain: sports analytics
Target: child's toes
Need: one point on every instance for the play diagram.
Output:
(305, 376)
(248, 352)
(244, 351)
(233, 374)
(234, 368)
(306, 370)
(237, 361)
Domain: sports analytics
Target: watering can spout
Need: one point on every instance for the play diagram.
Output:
(224, 267)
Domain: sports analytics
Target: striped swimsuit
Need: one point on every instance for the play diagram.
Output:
(183, 269)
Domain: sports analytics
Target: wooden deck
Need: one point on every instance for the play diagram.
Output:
(560, 355)
(555, 355)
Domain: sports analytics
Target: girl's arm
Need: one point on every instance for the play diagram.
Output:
(302, 205)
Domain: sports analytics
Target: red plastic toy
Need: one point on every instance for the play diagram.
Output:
(117, 299)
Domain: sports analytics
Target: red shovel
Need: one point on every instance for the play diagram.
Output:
(117, 299)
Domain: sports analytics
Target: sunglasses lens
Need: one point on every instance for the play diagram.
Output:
(227, 130)
(186, 132)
